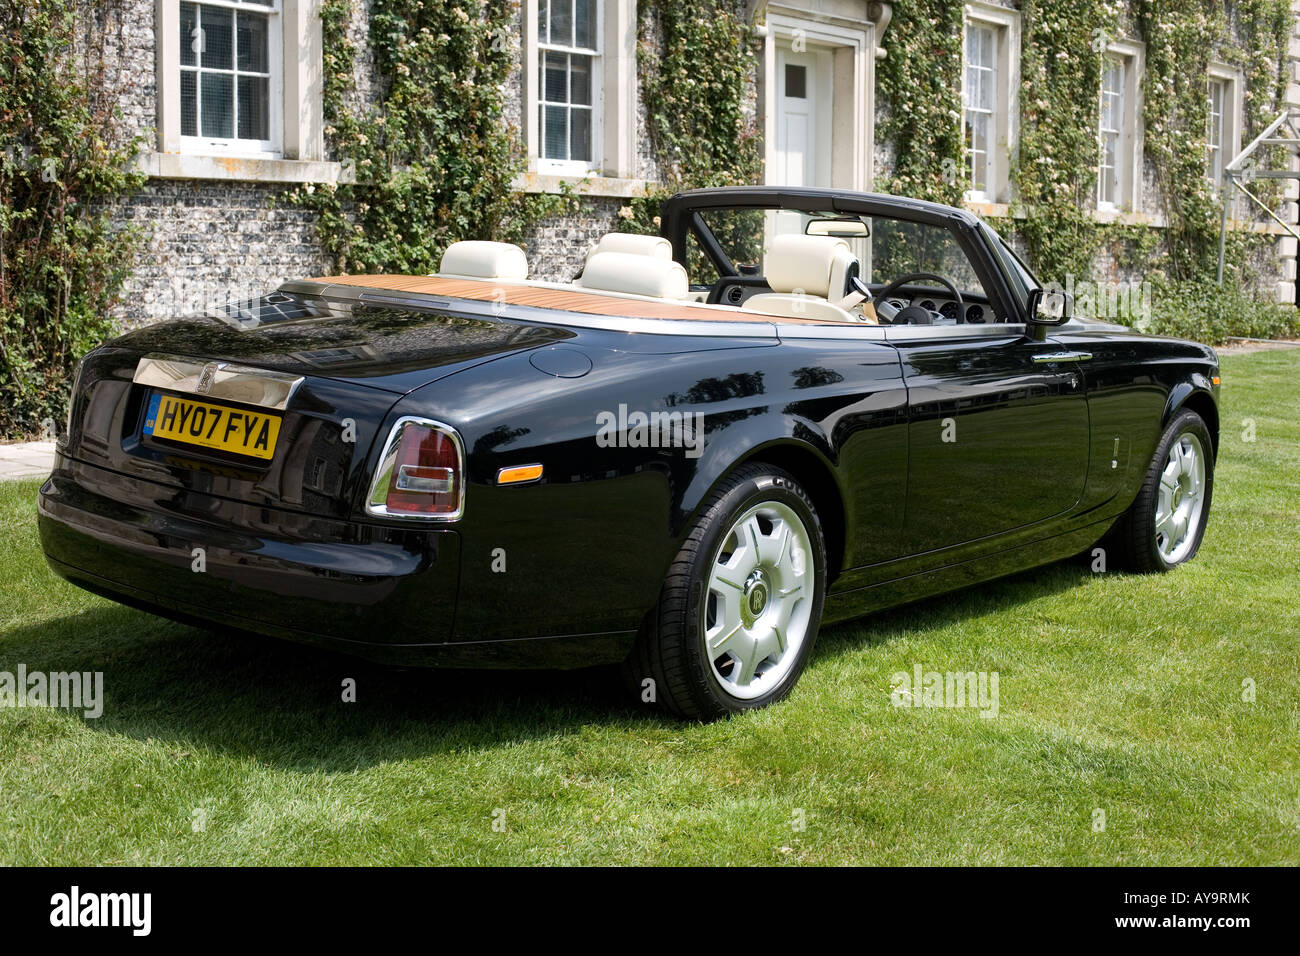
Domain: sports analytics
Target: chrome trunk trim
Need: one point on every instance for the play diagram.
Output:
(1051, 358)
(220, 381)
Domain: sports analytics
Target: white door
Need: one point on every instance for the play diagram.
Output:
(803, 139)
(803, 94)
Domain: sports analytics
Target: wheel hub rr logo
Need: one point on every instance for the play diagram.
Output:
(755, 593)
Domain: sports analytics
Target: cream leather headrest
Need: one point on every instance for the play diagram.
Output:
(484, 260)
(635, 274)
(655, 246)
(808, 264)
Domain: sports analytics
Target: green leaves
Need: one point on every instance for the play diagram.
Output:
(1055, 172)
(1211, 313)
(696, 62)
(696, 59)
(434, 162)
(920, 84)
(64, 156)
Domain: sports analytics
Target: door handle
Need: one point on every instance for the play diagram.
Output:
(1053, 357)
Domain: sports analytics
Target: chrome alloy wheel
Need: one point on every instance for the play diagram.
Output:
(759, 600)
(1181, 499)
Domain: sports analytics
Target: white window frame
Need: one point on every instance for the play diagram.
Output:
(1110, 126)
(1131, 133)
(296, 151)
(269, 148)
(1229, 144)
(1218, 92)
(1006, 101)
(614, 103)
(575, 167)
(981, 163)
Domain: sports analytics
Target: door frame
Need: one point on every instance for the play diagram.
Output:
(851, 44)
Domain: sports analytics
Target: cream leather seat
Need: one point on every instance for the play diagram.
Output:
(478, 259)
(635, 274)
(808, 275)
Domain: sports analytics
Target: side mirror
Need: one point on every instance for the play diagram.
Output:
(1050, 307)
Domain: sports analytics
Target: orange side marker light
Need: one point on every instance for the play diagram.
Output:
(518, 474)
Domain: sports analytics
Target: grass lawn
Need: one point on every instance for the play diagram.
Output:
(1117, 693)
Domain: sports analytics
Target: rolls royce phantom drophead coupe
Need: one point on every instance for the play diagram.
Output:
(791, 408)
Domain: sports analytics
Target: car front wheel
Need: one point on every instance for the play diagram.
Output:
(739, 609)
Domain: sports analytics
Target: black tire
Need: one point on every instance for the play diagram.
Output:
(670, 649)
(1132, 542)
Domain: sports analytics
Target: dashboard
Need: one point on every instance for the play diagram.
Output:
(735, 290)
(976, 312)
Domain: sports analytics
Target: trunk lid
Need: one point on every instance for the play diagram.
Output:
(376, 345)
(355, 361)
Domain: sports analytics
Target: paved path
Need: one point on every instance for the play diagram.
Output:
(34, 459)
(1255, 345)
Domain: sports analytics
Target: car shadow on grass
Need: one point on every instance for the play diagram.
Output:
(282, 703)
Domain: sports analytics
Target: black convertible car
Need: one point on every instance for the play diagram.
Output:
(793, 407)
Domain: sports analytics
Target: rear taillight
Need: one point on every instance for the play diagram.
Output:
(421, 473)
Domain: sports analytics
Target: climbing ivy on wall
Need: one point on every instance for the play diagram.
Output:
(1056, 174)
(1062, 46)
(1181, 37)
(697, 60)
(64, 156)
(920, 90)
(434, 159)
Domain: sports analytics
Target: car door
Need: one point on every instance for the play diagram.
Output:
(997, 432)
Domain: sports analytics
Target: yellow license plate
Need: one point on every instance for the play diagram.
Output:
(238, 431)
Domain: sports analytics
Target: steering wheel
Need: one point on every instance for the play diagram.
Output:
(892, 287)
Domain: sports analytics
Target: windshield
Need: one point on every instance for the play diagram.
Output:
(885, 247)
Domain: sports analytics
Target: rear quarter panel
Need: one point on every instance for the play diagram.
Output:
(586, 549)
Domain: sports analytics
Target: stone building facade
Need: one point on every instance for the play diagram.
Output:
(232, 131)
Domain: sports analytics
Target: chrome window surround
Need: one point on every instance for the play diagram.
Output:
(218, 380)
(377, 498)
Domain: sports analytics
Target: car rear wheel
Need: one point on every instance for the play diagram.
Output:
(739, 609)
(1166, 522)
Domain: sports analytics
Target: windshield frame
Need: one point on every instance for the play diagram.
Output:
(1021, 279)
(680, 216)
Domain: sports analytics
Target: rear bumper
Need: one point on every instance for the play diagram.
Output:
(271, 572)
(377, 591)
